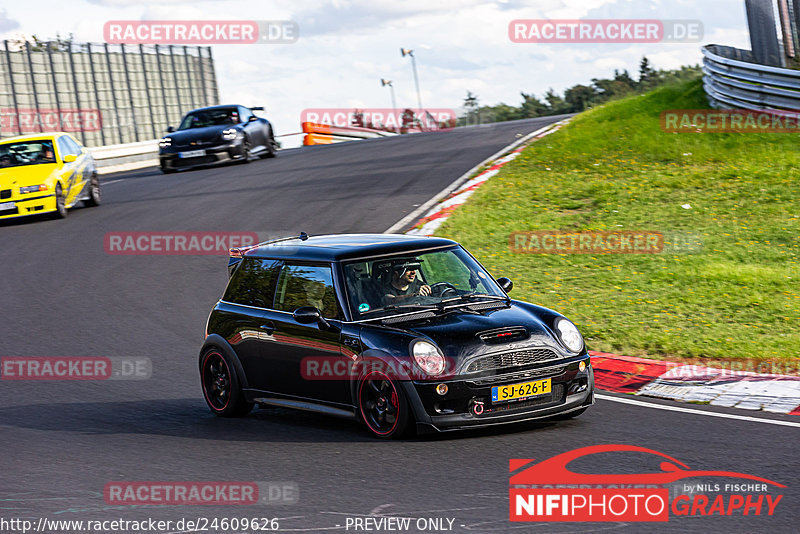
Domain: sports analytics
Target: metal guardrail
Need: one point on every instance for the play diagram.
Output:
(733, 80)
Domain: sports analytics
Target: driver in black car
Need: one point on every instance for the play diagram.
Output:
(403, 284)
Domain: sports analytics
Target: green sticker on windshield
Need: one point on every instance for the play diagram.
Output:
(363, 307)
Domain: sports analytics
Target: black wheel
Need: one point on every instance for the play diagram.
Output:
(221, 387)
(167, 170)
(246, 150)
(61, 204)
(570, 415)
(94, 193)
(271, 147)
(383, 406)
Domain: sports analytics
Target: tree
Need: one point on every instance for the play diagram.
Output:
(532, 107)
(647, 75)
(579, 97)
(555, 103)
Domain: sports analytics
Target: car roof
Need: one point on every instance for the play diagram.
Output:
(328, 248)
(33, 137)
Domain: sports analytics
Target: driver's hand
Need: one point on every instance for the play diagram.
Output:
(425, 290)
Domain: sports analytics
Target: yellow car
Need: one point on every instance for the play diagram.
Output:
(45, 173)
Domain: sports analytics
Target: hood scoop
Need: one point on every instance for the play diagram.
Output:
(506, 334)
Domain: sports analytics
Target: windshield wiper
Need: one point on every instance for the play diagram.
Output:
(468, 296)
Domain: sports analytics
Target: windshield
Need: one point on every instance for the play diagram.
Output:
(210, 117)
(387, 286)
(26, 153)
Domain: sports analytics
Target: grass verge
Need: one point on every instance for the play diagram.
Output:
(613, 168)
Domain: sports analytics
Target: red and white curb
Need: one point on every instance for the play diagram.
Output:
(679, 381)
(433, 218)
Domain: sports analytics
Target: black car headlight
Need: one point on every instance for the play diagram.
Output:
(569, 335)
(230, 134)
(428, 357)
(166, 142)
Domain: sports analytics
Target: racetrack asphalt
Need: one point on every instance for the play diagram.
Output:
(63, 295)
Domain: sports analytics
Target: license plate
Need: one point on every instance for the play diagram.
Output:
(7, 206)
(192, 154)
(521, 391)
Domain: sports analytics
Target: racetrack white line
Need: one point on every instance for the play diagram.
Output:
(696, 412)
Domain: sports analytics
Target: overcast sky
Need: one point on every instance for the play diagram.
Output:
(347, 46)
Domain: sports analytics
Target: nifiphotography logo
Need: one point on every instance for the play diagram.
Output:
(550, 491)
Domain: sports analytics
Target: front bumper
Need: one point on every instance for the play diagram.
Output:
(572, 390)
(34, 205)
(229, 151)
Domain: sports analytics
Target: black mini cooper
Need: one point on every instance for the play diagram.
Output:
(399, 332)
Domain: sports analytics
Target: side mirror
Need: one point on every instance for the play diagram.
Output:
(70, 158)
(505, 284)
(309, 315)
(257, 108)
(252, 118)
(170, 129)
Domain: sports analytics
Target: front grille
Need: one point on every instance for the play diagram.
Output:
(519, 376)
(5, 193)
(511, 359)
(556, 397)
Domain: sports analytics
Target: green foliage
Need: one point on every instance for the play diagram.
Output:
(578, 97)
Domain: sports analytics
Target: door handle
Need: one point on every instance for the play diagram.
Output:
(268, 327)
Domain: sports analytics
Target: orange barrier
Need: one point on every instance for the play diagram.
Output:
(325, 134)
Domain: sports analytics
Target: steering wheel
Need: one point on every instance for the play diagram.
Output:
(443, 288)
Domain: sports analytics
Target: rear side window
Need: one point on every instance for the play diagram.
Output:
(253, 283)
(307, 285)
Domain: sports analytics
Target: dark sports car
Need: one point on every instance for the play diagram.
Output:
(216, 134)
(399, 332)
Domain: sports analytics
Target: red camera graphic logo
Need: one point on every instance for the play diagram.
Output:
(550, 491)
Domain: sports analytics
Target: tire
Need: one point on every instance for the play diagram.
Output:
(246, 151)
(270, 153)
(61, 204)
(94, 193)
(167, 170)
(221, 387)
(383, 406)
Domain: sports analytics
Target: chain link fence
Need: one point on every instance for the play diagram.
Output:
(104, 94)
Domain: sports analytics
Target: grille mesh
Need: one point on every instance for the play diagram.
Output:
(511, 359)
(516, 377)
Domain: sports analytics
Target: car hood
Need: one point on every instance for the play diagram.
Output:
(27, 175)
(461, 335)
(209, 133)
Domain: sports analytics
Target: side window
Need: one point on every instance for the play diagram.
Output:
(63, 147)
(74, 147)
(253, 283)
(306, 285)
(244, 114)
